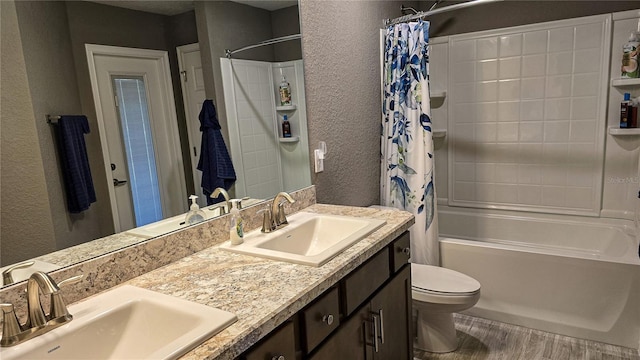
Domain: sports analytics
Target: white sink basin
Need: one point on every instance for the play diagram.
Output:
(309, 239)
(126, 323)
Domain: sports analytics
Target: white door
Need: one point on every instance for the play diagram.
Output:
(138, 131)
(193, 94)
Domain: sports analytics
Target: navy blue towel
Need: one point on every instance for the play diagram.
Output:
(75, 163)
(215, 163)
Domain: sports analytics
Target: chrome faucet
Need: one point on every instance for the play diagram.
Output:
(278, 217)
(225, 195)
(37, 322)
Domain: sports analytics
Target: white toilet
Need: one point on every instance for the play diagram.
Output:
(437, 293)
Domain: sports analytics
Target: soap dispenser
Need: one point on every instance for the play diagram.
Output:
(236, 227)
(195, 214)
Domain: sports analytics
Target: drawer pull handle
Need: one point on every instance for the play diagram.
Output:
(278, 357)
(407, 251)
(328, 319)
(376, 347)
(381, 326)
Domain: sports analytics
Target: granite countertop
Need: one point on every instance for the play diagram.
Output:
(263, 293)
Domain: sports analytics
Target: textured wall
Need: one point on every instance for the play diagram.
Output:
(229, 25)
(286, 22)
(341, 50)
(181, 30)
(54, 90)
(52, 35)
(511, 13)
(23, 192)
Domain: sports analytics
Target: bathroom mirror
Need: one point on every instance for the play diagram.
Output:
(53, 35)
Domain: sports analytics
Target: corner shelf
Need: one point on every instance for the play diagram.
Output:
(289, 139)
(286, 108)
(625, 82)
(438, 94)
(616, 131)
(439, 133)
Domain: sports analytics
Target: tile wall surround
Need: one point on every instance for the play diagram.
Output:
(111, 269)
(527, 108)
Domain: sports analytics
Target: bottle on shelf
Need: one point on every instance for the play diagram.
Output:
(633, 118)
(286, 127)
(285, 92)
(626, 110)
(630, 56)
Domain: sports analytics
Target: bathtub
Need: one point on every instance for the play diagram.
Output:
(578, 277)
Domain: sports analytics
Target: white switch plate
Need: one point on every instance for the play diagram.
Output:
(319, 160)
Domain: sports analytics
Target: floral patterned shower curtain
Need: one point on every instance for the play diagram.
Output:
(407, 145)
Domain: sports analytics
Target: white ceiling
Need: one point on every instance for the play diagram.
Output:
(174, 7)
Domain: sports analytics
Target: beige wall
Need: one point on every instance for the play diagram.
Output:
(227, 25)
(51, 35)
(286, 22)
(342, 79)
(26, 226)
(516, 12)
(54, 90)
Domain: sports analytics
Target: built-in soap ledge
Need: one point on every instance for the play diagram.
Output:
(625, 82)
(616, 131)
(438, 94)
(439, 133)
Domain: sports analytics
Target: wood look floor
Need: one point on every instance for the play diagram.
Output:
(481, 339)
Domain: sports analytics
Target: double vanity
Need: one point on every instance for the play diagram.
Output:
(340, 287)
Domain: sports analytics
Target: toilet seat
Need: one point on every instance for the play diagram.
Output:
(440, 285)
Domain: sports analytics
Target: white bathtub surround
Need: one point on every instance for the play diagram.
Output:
(407, 145)
(527, 114)
(572, 276)
(265, 162)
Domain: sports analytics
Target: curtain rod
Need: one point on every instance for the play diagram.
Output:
(228, 52)
(420, 15)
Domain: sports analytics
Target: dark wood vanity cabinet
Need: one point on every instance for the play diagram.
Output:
(279, 345)
(366, 316)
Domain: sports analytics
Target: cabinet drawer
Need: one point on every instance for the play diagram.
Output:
(321, 318)
(400, 252)
(280, 344)
(362, 282)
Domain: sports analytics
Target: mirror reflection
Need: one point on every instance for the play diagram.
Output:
(140, 72)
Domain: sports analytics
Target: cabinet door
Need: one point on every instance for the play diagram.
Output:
(391, 309)
(350, 340)
(278, 345)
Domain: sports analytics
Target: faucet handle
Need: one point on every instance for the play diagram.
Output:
(267, 220)
(10, 325)
(7, 277)
(221, 206)
(281, 216)
(58, 306)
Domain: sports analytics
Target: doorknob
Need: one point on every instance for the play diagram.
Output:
(117, 182)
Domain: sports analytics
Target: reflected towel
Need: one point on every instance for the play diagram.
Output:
(74, 162)
(215, 163)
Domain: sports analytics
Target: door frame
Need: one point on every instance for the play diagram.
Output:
(169, 109)
(191, 132)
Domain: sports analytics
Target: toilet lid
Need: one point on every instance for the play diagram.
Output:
(442, 280)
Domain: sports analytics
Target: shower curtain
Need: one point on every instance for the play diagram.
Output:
(407, 145)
